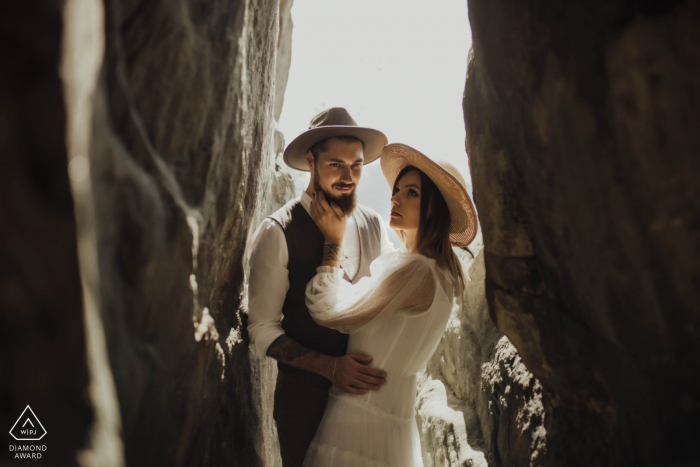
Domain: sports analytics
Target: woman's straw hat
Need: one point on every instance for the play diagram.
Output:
(464, 224)
(333, 122)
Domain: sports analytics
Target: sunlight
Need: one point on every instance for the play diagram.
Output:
(397, 66)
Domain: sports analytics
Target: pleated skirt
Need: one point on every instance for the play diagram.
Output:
(354, 433)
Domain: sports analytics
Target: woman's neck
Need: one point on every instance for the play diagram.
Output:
(410, 236)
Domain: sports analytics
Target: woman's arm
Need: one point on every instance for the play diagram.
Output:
(331, 221)
(331, 254)
(405, 283)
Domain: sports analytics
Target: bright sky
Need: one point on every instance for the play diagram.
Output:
(397, 65)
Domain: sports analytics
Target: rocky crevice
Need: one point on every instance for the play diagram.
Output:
(580, 132)
(139, 148)
(478, 403)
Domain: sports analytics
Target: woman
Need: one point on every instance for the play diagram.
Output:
(397, 315)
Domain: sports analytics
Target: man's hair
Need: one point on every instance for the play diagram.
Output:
(322, 146)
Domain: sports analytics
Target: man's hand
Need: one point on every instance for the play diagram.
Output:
(353, 375)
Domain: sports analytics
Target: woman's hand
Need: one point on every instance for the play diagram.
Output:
(329, 218)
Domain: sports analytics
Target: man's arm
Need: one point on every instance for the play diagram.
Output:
(349, 372)
(267, 288)
(268, 282)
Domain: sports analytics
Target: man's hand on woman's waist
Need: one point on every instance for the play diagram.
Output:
(350, 373)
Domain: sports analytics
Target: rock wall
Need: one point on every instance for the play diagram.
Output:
(450, 428)
(582, 136)
(42, 333)
(284, 54)
(158, 119)
(183, 151)
(478, 404)
(139, 149)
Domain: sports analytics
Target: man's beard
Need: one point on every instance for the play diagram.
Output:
(345, 202)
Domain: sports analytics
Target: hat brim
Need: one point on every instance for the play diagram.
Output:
(295, 154)
(463, 219)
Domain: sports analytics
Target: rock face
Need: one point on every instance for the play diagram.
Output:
(183, 163)
(42, 334)
(165, 111)
(284, 54)
(478, 404)
(582, 136)
(139, 150)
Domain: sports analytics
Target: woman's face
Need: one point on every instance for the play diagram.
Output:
(405, 202)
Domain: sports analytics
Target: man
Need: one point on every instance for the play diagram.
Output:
(285, 252)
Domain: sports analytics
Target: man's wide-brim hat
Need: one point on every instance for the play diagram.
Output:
(333, 122)
(463, 220)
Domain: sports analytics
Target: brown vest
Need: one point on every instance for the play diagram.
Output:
(305, 247)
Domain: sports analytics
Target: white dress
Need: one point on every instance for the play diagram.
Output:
(397, 315)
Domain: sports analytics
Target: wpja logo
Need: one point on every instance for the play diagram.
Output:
(28, 428)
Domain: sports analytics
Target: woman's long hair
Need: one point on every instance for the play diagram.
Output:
(433, 237)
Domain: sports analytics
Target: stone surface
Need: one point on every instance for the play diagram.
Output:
(81, 61)
(582, 136)
(182, 158)
(284, 54)
(443, 430)
(477, 380)
(183, 164)
(513, 417)
(42, 334)
(139, 149)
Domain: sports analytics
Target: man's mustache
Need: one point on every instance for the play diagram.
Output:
(344, 185)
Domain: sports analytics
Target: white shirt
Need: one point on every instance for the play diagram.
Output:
(269, 277)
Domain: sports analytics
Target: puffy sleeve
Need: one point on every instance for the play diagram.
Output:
(399, 282)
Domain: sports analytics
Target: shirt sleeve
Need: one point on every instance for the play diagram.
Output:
(268, 283)
(387, 246)
(397, 284)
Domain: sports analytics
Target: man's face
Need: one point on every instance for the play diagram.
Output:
(337, 172)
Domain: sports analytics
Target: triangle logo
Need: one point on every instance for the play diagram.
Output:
(28, 427)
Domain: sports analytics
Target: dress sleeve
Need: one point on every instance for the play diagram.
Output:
(399, 282)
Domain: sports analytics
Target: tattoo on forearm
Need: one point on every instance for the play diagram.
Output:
(331, 252)
(286, 350)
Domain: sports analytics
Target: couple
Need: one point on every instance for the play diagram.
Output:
(349, 320)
